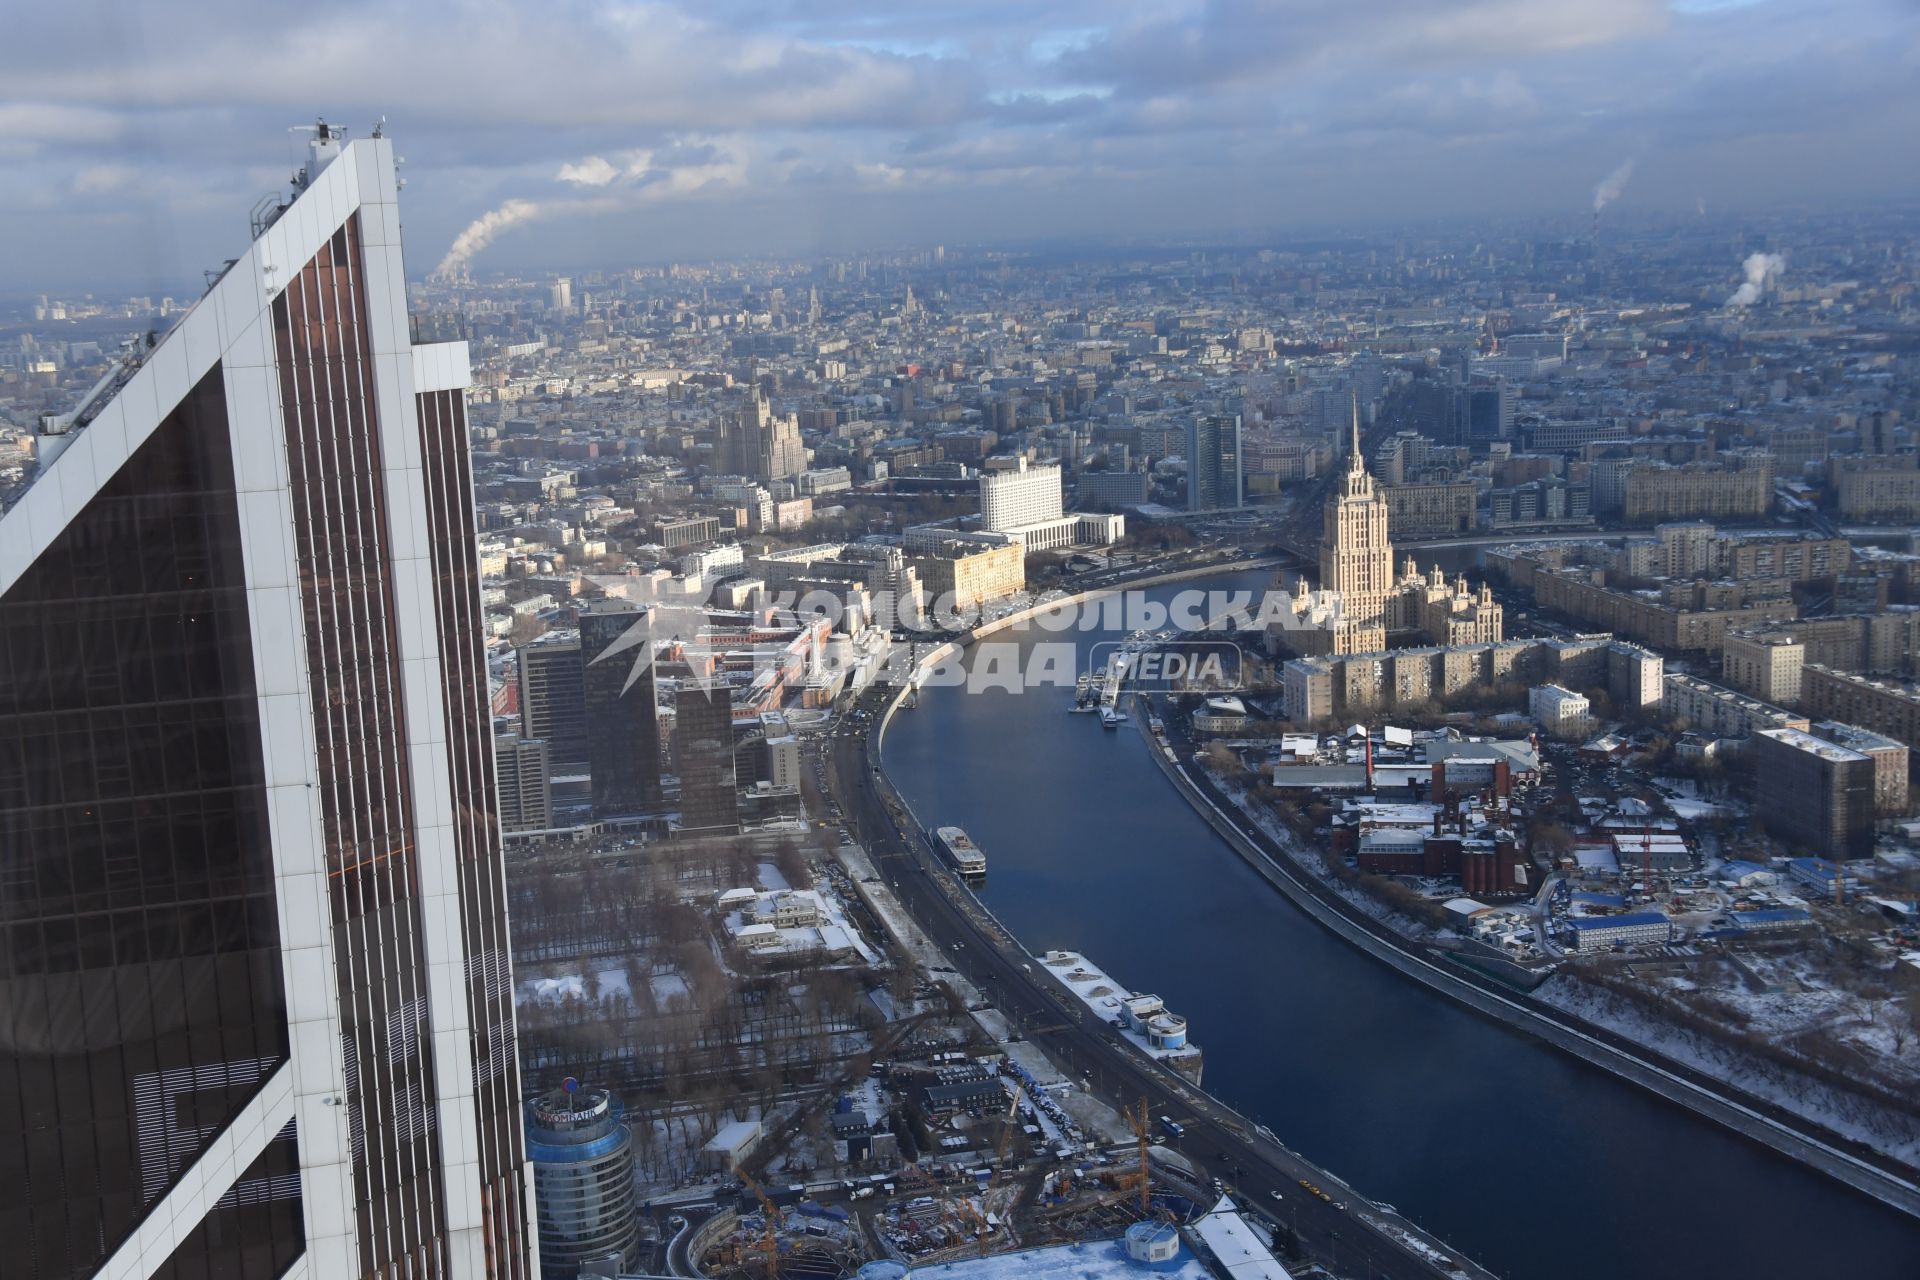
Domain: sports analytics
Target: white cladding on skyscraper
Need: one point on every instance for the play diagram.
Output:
(273, 510)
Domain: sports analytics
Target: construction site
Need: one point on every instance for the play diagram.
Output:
(1043, 1185)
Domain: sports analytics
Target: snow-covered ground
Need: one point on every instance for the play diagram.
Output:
(1862, 1119)
(573, 986)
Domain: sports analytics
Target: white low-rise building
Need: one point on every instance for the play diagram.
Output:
(1639, 929)
(1560, 712)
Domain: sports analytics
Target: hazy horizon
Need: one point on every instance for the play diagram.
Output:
(135, 142)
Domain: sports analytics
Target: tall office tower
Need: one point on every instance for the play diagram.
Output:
(1356, 557)
(622, 714)
(1213, 462)
(583, 1175)
(560, 294)
(1369, 375)
(757, 444)
(1483, 410)
(703, 754)
(552, 700)
(1024, 496)
(524, 777)
(259, 1016)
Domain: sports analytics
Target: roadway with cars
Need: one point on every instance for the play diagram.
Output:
(1266, 1175)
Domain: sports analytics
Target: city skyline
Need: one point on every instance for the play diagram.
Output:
(912, 627)
(640, 133)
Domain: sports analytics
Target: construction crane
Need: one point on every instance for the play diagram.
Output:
(1006, 1134)
(770, 1243)
(1142, 1133)
(999, 1161)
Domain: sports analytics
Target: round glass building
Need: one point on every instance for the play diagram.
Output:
(582, 1153)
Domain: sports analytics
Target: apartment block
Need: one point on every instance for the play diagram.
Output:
(1720, 712)
(1709, 491)
(1880, 494)
(1883, 706)
(1764, 664)
(1435, 510)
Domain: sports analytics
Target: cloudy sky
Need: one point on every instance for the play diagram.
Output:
(133, 139)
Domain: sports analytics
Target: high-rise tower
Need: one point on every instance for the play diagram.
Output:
(1213, 462)
(260, 1015)
(622, 716)
(756, 443)
(1356, 557)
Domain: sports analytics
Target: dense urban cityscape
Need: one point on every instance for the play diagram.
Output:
(967, 760)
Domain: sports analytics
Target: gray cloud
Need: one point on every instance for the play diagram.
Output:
(768, 119)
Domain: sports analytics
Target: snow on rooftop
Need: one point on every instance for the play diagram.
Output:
(1098, 1260)
(1236, 1246)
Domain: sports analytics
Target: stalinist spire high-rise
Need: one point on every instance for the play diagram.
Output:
(1356, 557)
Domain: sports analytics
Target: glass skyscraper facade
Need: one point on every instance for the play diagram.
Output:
(622, 708)
(255, 995)
(1214, 469)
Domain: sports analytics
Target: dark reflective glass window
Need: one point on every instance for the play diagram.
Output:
(139, 957)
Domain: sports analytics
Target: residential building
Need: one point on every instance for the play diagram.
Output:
(1720, 712)
(245, 769)
(1437, 509)
(1884, 492)
(1885, 642)
(1315, 689)
(523, 778)
(1812, 794)
(1883, 706)
(1764, 664)
(1684, 619)
(1561, 713)
(1540, 502)
(1742, 490)
(1636, 677)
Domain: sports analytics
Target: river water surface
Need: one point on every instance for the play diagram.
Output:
(1529, 1160)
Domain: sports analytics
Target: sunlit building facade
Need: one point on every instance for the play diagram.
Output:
(258, 990)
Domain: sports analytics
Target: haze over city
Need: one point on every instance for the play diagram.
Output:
(578, 134)
(1208, 640)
